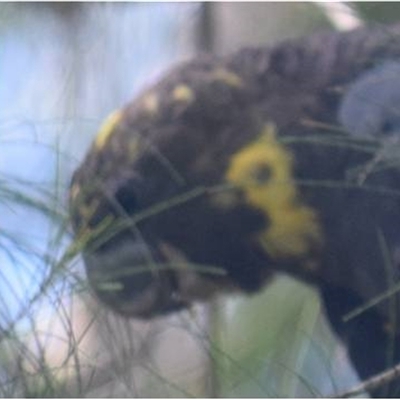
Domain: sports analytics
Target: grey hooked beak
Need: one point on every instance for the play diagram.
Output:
(132, 279)
(138, 280)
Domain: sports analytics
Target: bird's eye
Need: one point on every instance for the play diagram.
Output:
(389, 126)
(262, 174)
(126, 198)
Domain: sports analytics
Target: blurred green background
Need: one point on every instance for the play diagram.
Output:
(63, 68)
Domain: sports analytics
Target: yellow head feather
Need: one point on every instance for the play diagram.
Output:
(107, 129)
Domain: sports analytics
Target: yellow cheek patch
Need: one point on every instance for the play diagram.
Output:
(293, 229)
(107, 129)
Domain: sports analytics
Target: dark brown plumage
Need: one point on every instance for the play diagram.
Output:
(159, 185)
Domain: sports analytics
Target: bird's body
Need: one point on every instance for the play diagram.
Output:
(272, 159)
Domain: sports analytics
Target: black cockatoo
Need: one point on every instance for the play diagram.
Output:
(230, 170)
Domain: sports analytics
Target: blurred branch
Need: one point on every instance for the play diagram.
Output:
(341, 15)
(205, 28)
(373, 383)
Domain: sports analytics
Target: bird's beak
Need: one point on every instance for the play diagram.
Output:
(134, 279)
(141, 280)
